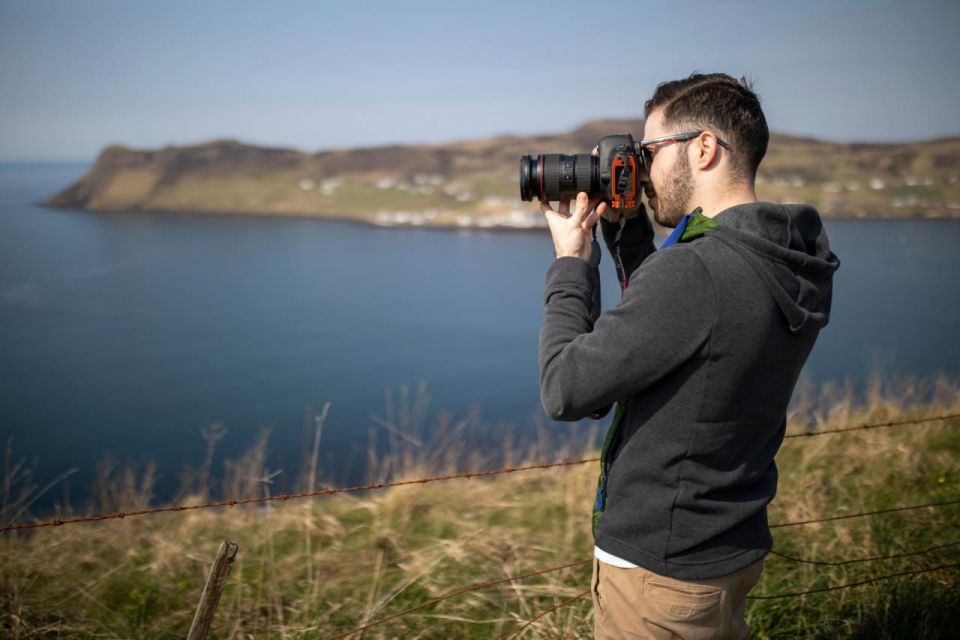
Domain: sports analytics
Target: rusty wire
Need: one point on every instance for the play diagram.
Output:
(776, 596)
(840, 563)
(57, 522)
(543, 613)
(481, 585)
(880, 425)
(474, 587)
(862, 514)
(859, 583)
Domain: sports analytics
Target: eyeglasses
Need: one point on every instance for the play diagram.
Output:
(647, 148)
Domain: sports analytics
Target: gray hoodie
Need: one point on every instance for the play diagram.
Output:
(703, 351)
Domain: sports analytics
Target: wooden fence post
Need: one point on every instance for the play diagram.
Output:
(216, 580)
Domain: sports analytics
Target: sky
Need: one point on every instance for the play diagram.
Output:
(78, 75)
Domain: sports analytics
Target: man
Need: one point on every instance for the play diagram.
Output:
(701, 356)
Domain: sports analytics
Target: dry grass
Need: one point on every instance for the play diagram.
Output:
(317, 568)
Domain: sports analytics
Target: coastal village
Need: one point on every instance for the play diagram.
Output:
(514, 213)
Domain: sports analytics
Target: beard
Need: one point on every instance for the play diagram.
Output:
(674, 198)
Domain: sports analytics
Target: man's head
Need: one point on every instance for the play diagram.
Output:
(729, 139)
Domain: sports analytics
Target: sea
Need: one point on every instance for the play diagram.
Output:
(125, 336)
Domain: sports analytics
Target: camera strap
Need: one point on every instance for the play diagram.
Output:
(623, 182)
(617, 260)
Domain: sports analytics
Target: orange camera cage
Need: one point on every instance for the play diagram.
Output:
(631, 198)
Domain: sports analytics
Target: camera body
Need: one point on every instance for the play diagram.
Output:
(612, 174)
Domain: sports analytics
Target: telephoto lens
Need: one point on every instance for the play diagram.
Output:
(557, 176)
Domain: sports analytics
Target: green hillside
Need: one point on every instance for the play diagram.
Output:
(475, 183)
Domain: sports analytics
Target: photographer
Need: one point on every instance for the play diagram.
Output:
(700, 356)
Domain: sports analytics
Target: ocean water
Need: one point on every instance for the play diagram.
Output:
(127, 333)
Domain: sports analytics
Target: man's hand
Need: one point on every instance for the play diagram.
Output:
(571, 231)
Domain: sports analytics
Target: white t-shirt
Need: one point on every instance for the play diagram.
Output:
(609, 558)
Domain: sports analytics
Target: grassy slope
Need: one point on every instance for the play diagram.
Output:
(314, 568)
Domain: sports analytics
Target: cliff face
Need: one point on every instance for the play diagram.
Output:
(124, 178)
(475, 182)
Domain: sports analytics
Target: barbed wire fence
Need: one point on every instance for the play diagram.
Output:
(282, 497)
(778, 596)
(489, 583)
(59, 522)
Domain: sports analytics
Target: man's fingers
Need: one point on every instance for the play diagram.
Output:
(592, 206)
(593, 214)
(590, 220)
(582, 207)
(564, 207)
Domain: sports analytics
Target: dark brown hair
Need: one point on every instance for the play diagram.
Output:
(719, 103)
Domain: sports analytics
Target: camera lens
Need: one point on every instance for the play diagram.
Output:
(529, 178)
(558, 176)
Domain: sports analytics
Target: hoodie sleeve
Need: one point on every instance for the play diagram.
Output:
(630, 244)
(664, 317)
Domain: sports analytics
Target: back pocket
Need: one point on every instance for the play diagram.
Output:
(683, 601)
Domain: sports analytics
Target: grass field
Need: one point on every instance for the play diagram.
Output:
(319, 567)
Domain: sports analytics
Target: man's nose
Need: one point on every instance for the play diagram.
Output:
(645, 183)
(642, 173)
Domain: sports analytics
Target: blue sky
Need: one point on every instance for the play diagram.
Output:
(77, 75)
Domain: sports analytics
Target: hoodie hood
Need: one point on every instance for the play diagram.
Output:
(788, 248)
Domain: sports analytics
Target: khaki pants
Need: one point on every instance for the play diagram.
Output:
(639, 604)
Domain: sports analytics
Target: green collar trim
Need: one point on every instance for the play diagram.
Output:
(697, 225)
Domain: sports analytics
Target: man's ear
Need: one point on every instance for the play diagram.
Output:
(706, 150)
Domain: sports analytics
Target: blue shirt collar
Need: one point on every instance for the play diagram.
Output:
(674, 237)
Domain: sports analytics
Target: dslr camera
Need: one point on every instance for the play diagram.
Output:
(612, 174)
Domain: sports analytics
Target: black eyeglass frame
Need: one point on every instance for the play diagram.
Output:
(646, 155)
